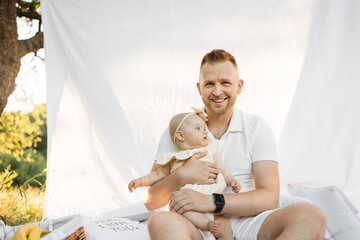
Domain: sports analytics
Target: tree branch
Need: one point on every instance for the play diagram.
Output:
(25, 4)
(28, 9)
(31, 45)
(28, 14)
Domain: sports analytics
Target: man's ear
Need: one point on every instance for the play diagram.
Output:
(180, 136)
(240, 86)
(198, 87)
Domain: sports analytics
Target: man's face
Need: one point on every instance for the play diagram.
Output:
(219, 85)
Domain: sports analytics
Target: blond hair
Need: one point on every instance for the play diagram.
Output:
(174, 123)
(218, 56)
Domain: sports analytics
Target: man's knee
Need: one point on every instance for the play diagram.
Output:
(311, 214)
(170, 225)
(311, 218)
(296, 220)
(160, 225)
(157, 220)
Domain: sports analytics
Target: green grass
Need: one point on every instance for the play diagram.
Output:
(21, 205)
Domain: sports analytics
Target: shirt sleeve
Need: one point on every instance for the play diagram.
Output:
(263, 144)
(166, 144)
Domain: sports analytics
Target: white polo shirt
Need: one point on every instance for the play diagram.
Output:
(248, 139)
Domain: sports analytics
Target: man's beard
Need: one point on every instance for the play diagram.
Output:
(219, 111)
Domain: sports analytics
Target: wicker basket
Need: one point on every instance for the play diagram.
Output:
(77, 235)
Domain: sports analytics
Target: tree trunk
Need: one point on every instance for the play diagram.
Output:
(9, 56)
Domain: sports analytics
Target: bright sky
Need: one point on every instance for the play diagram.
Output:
(30, 83)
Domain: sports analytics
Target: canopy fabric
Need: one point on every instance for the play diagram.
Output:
(117, 71)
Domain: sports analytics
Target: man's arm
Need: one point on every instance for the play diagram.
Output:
(150, 179)
(193, 171)
(158, 194)
(264, 197)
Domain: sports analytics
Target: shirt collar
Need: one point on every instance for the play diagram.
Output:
(236, 122)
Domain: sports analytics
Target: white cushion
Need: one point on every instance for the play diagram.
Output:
(121, 223)
(116, 228)
(134, 211)
(342, 220)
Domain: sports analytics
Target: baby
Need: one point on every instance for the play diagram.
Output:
(188, 130)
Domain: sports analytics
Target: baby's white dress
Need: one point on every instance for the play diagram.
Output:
(182, 155)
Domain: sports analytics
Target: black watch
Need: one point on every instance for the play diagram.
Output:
(219, 201)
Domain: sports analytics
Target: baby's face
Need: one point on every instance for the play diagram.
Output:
(194, 130)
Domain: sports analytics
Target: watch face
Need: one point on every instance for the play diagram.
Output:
(219, 199)
(219, 202)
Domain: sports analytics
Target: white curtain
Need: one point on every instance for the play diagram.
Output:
(320, 142)
(118, 70)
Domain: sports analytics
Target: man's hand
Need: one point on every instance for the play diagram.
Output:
(189, 200)
(198, 172)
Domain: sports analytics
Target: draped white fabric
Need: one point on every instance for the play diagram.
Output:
(118, 70)
(320, 142)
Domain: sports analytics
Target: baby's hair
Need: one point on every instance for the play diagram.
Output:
(174, 123)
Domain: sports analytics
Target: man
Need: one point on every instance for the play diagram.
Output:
(248, 150)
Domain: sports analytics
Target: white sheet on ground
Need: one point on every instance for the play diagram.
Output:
(118, 70)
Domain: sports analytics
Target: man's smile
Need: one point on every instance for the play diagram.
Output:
(218, 100)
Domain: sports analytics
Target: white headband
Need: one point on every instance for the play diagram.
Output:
(197, 111)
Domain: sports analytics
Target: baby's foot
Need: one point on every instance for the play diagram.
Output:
(214, 228)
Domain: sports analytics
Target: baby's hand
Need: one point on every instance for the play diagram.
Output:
(133, 185)
(235, 185)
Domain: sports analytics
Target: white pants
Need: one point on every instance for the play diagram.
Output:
(247, 228)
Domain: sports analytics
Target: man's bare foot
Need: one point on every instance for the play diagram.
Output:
(214, 228)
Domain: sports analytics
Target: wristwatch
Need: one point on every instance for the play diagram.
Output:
(219, 201)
